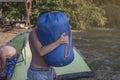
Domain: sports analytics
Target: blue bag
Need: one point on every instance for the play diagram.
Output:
(50, 26)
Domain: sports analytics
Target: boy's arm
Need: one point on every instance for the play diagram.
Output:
(43, 50)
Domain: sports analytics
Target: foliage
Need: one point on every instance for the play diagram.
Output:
(113, 15)
(86, 13)
(13, 10)
(44, 5)
(101, 2)
(81, 13)
(112, 8)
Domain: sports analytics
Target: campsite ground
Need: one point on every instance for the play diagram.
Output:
(100, 47)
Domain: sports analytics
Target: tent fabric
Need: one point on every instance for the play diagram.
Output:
(77, 69)
(18, 43)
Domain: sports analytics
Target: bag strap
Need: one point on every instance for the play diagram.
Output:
(67, 48)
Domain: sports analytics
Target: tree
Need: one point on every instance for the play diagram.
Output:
(81, 13)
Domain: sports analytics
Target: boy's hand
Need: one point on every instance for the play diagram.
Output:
(63, 39)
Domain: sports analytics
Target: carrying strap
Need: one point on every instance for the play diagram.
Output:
(68, 48)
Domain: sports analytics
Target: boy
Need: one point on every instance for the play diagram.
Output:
(39, 69)
(8, 59)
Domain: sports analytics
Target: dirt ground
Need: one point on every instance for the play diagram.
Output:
(100, 48)
(6, 36)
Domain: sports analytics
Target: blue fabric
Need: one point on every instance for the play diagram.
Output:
(50, 26)
(40, 74)
(9, 67)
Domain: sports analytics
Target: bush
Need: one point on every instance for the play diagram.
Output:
(87, 13)
(113, 15)
(81, 13)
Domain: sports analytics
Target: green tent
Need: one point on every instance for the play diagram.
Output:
(77, 69)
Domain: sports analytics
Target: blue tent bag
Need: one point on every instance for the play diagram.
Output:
(50, 26)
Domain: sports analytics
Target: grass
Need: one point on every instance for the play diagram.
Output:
(100, 47)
